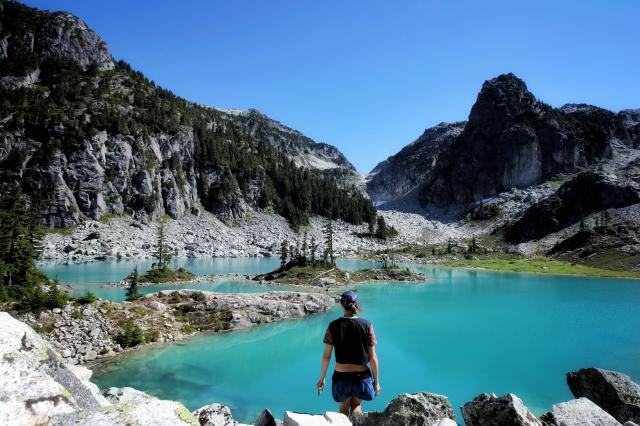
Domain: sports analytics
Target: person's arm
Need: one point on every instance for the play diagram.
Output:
(373, 359)
(326, 359)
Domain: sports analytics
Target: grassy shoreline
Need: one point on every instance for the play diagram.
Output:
(538, 266)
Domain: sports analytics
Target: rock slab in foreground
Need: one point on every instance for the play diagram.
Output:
(580, 412)
(299, 419)
(266, 419)
(489, 409)
(614, 392)
(420, 408)
(215, 415)
(37, 387)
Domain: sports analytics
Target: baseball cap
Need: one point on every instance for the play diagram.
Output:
(348, 297)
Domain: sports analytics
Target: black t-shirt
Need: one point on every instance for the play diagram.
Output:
(351, 337)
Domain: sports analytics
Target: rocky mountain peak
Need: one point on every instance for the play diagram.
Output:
(631, 117)
(66, 36)
(504, 98)
(29, 36)
(402, 172)
(513, 140)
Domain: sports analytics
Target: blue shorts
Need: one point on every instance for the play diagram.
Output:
(345, 385)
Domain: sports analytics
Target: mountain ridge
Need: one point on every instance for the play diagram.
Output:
(91, 136)
(511, 140)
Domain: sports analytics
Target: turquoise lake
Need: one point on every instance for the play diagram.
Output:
(461, 333)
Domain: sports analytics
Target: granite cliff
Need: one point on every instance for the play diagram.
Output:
(88, 136)
(402, 172)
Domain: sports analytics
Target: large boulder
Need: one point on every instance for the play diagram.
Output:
(266, 419)
(580, 412)
(507, 410)
(214, 415)
(329, 418)
(420, 408)
(131, 406)
(37, 387)
(614, 392)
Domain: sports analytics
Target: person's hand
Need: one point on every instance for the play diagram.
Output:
(377, 388)
(320, 386)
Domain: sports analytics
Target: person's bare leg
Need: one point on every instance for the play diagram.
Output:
(356, 405)
(344, 406)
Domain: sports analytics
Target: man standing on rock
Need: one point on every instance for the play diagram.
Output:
(354, 341)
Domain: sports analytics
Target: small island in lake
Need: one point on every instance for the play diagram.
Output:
(160, 271)
(299, 266)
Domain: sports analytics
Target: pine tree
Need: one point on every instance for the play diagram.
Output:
(583, 225)
(382, 227)
(327, 230)
(161, 251)
(284, 251)
(313, 248)
(132, 291)
(372, 225)
(449, 246)
(305, 246)
(20, 248)
(473, 247)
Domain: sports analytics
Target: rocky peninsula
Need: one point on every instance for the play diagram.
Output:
(89, 333)
(38, 386)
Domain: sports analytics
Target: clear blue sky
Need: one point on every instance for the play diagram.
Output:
(369, 76)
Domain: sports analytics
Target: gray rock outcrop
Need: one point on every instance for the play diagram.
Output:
(489, 409)
(215, 415)
(302, 419)
(266, 419)
(80, 333)
(249, 309)
(402, 172)
(586, 193)
(512, 140)
(66, 36)
(420, 408)
(580, 412)
(37, 387)
(614, 392)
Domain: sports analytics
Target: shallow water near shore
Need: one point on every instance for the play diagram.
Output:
(462, 333)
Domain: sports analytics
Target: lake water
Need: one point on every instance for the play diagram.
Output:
(462, 333)
(92, 276)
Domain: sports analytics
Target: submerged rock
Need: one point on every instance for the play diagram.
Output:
(507, 410)
(420, 408)
(614, 392)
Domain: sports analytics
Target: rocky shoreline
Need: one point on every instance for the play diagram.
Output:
(198, 279)
(90, 333)
(38, 386)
